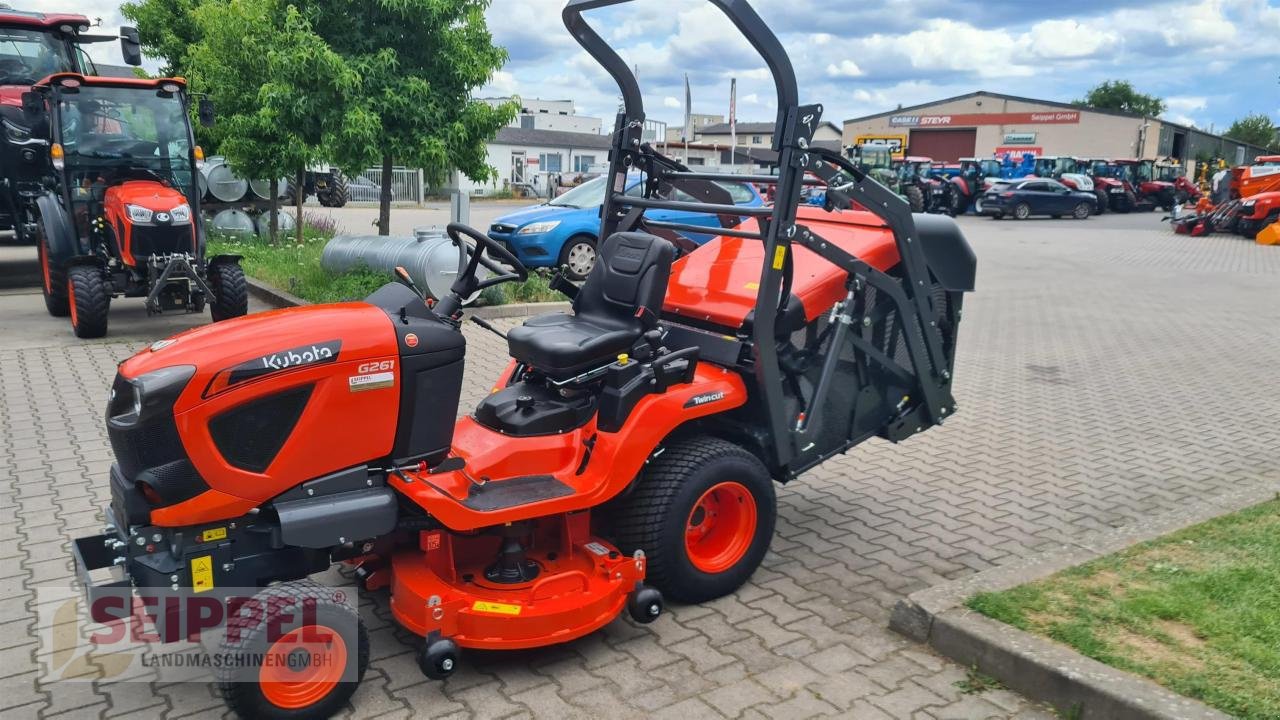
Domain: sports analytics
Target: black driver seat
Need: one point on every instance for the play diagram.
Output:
(631, 272)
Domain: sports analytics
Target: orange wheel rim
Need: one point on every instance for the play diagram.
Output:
(71, 300)
(720, 527)
(303, 667)
(44, 268)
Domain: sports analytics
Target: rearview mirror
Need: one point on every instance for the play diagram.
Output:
(205, 111)
(32, 105)
(130, 46)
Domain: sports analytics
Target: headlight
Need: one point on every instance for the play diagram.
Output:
(138, 214)
(1248, 203)
(181, 214)
(152, 393)
(538, 228)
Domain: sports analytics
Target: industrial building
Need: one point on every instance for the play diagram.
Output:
(557, 115)
(982, 124)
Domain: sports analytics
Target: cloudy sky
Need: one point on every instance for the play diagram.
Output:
(1211, 60)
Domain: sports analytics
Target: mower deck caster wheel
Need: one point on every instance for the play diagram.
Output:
(645, 604)
(438, 658)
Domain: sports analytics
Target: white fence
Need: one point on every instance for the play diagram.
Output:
(406, 185)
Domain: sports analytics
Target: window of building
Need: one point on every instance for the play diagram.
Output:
(583, 163)
(549, 162)
(697, 161)
(755, 140)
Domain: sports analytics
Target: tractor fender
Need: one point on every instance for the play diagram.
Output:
(947, 252)
(225, 260)
(58, 228)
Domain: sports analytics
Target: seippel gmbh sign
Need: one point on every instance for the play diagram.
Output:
(1061, 117)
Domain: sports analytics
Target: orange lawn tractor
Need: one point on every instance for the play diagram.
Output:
(628, 452)
(119, 212)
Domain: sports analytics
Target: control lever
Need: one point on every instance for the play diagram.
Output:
(488, 326)
(403, 276)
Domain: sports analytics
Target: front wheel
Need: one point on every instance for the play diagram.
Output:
(578, 256)
(89, 301)
(230, 291)
(1103, 201)
(1081, 211)
(301, 653)
(915, 198)
(703, 513)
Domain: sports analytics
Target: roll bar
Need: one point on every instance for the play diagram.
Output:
(785, 437)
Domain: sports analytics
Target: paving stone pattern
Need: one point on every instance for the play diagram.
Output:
(1108, 370)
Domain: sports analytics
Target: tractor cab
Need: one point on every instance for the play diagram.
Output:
(124, 204)
(34, 46)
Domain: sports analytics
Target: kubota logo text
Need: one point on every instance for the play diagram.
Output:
(297, 356)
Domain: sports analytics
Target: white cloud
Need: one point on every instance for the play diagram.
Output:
(671, 102)
(502, 83)
(846, 68)
(1186, 103)
(1067, 39)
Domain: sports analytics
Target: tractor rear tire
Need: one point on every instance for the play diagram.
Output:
(1103, 202)
(54, 280)
(89, 299)
(256, 684)
(915, 198)
(703, 513)
(230, 291)
(337, 194)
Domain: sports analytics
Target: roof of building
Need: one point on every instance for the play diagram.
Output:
(749, 128)
(985, 93)
(551, 138)
(765, 156)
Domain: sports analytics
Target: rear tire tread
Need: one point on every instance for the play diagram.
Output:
(230, 291)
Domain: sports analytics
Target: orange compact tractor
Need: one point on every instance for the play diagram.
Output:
(628, 452)
(119, 211)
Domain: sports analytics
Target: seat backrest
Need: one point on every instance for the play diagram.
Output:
(631, 272)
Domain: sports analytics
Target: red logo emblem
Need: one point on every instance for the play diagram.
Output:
(411, 340)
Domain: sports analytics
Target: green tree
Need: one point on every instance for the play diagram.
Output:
(1120, 96)
(419, 62)
(167, 29)
(1255, 129)
(283, 96)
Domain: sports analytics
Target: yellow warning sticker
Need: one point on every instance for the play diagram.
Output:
(496, 608)
(779, 256)
(202, 573)
(213, 534)
(752, 286)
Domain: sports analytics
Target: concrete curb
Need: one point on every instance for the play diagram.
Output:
(276, 297)
(273, 295)
(1039, 668)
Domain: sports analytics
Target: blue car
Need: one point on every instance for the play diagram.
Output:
(1020, 199)
(563, 231)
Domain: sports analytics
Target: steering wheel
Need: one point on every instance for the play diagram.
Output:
(467, 284)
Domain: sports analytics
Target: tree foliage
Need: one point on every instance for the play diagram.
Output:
(1255, 129)
(281, 93)
(1120, 95)
(418, 61)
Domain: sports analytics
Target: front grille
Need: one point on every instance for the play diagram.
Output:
(502, 228)
(148, 240)
(151, 451)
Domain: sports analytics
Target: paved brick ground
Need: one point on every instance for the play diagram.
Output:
(1108, 370)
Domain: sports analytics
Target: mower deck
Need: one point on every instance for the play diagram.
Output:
(444, 587)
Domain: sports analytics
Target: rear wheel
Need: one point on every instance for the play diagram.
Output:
(579, 256)
(1102, 200)
(54, 286)
(89, 301)
(303, 655)
(230, 291)
(703, 513)
(1081, 211)
(915, 198)
(1021, 211)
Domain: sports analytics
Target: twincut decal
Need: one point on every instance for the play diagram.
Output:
(704, 398)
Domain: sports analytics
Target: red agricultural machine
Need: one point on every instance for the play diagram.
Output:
(1250, 207)
(628, 452)
(117, 211)
(32, 47)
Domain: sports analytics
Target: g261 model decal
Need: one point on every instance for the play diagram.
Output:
(704, 398)
(302, 356)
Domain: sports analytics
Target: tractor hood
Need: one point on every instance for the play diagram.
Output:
(150, 194)
(241, 351)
